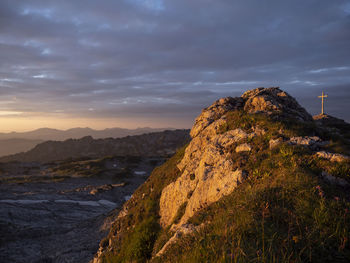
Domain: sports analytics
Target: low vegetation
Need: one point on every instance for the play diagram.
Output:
(138, 231)
(283, 212)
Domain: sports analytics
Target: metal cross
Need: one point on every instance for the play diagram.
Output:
(323, 96)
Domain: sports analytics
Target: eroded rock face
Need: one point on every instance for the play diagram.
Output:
(214, 112)
(207, 173)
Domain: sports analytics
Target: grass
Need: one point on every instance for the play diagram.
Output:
(283, 212)
(289, 127)
(138, 231)
(282, 215)
(32, 179)
(98, 167)
(81, 168)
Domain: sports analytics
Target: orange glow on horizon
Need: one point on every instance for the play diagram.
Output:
(24, 124)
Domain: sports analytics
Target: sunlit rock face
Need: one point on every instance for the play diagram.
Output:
(207, 173)
(214, 112)
(272, 101)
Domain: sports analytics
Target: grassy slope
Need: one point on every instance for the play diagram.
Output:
(282, 213)
(139, 229)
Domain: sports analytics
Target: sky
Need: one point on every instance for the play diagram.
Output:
(158, 63)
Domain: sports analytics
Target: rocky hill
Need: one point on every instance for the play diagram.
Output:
(12, 146)
(260, 181)
(152, 144)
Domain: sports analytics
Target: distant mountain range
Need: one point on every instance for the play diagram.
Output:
(151, 144)
(16, 142)
(48, 134)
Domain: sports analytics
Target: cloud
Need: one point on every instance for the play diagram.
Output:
(165, 59)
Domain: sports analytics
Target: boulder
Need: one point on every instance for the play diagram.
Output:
(306, 140)
(333, 157)
(245, 147)
(274, 101)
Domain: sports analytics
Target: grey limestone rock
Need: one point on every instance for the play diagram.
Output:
(333, 157)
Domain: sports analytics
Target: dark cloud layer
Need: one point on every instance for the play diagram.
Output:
(149, 59)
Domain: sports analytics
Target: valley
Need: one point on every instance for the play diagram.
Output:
(49, 214)
(58, 200)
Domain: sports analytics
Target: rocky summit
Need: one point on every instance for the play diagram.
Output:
(261, 181)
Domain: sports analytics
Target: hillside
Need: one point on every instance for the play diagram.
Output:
(260, 181)
(47, 134)
(12, 146)
(151, 144)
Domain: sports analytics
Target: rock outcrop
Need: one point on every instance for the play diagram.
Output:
(214, 112)
(207, 173)
(232, 141)
(333, 157)
(313, 142)
(272, 101)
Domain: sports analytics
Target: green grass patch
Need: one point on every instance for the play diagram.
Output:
(288, 126)
(136, 233)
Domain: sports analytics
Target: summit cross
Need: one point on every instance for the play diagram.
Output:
(323, 96)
